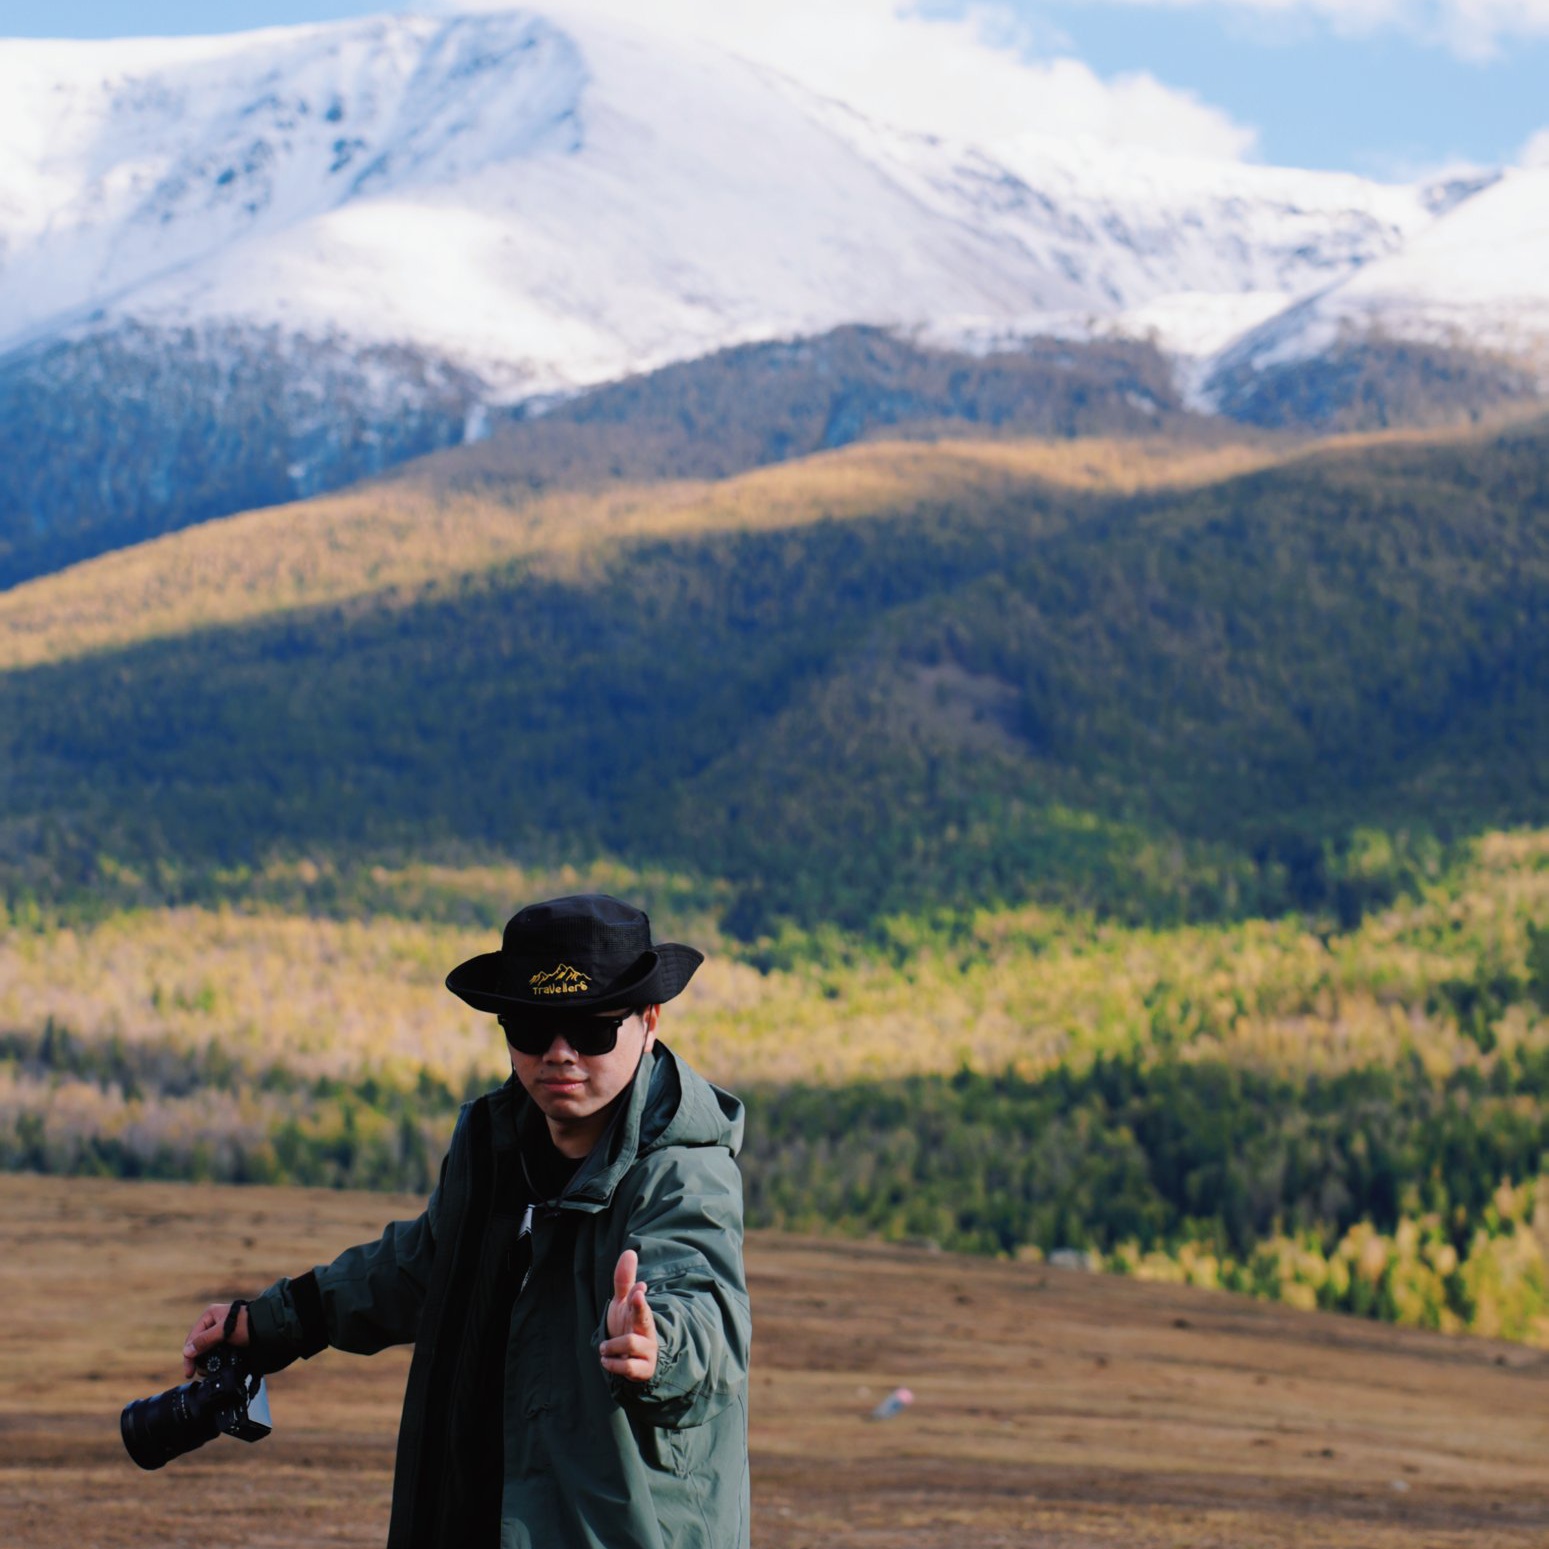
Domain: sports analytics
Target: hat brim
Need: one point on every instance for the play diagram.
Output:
(486, 983)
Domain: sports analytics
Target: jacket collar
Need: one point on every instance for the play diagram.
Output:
(614, 1154)
(666, 1104)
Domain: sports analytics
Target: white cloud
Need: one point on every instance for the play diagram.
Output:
(1535, 153)
(976, 77)
(1477, 29)
(1471, 29)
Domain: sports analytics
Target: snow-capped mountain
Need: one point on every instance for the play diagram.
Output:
(1478, 279)
(549, 199)
(406, 219)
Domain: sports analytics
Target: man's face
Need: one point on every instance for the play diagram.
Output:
(576, 1091)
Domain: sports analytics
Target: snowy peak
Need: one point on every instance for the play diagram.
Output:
(158, 154)
(482, 90)
(551, 198)
(1478, 278)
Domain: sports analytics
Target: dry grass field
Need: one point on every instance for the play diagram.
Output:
(1053, 1408)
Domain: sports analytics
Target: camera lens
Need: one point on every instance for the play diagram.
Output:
(156, 1430)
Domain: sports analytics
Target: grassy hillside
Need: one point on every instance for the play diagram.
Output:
(424, 524)
(846, 689)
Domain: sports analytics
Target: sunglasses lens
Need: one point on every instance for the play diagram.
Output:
(586, 1035)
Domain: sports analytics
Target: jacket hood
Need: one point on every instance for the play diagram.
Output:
(668, 1104)
(683, 1109)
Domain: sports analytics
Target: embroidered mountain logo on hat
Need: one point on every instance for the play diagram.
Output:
(561, 980)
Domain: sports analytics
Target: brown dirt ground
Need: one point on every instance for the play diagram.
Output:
(1053, 1408)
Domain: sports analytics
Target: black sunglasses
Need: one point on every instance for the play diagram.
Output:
(584, 1034)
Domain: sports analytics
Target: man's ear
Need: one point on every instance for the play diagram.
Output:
(651, 1016)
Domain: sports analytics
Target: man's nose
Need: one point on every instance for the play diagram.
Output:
(560, 1052)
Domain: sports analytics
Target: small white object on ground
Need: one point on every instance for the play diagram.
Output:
(894, 1404)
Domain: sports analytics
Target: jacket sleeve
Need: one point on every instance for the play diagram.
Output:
(686, 1225)
(370, 1297)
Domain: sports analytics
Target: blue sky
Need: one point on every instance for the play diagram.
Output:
(1389, 88)
(1388, 103)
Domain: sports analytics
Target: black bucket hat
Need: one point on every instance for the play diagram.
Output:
(588, 952)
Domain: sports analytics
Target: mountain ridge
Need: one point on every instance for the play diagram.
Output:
(115, 479)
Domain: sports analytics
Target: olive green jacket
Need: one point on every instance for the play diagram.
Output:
(583, 1460)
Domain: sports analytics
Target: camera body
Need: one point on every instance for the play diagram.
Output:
(230, 1397)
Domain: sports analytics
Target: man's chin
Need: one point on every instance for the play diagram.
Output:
(565, 1103)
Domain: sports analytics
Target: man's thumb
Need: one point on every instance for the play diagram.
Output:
(624, 1274)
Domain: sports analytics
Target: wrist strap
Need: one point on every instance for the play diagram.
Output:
(232, 1314)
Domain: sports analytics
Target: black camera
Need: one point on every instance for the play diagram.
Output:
(231, 1397)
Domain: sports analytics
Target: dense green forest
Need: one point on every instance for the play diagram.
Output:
(1374, 384)
(1178, 1169)
(765, 403)
(1168, 705)
(110, 439)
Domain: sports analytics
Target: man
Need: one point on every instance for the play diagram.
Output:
(574, 1289)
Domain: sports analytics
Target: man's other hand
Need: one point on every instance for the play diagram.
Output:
(206, 1333)
(630, 1351)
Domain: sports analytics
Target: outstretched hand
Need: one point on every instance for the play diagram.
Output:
(207, 1333)
(630, 1350)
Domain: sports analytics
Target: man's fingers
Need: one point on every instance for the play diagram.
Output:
(204, 1333)
(206, 1319)
(208, 1331)
(633, 1350)
(624, 1273)
(640, 1319)
(631, 1356)
(630, 1370)
(628, 1346)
